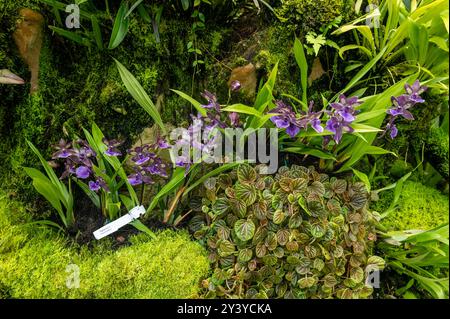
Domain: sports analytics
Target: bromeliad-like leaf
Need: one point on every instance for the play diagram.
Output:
(244, 229)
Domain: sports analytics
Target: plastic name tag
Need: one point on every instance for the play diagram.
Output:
(112, 227)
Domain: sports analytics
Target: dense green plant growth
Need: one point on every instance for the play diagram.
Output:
(297, 234)
(309, 15)
(437, 150)
(418, 255)
(419, 207)
(33, 263)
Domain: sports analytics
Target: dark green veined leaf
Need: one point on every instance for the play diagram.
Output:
(357, 274)
(295, 221)
(239, 207)
(245, 255)
(246, 192)
(330, 280)
(317, 231)
(358, 200)
(283, 236)
(260, 209)
(271, 241)
(307, 282)
(244, 229)
(246, 174)
(278, 216)
(221, 206)
(316, 208)
(260, 250)
(281, 289)
(317, 188)
(339, 186)
(223, 232)
(260, 235)
(226, 248)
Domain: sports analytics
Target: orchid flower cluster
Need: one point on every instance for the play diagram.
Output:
(401, 104)
(341, 115)
(146, 163)
(205, 127)
(78, 159)
(286, 118)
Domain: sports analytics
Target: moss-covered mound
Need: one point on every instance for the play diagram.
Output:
(419, 207)
(41, 264)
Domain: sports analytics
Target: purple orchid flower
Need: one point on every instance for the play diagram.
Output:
(346, 107)
(162, 144)
(212, 101)
(401, 106)
(112, 147)
(415, 90)
(98, 184)
(63, 149)
(83, 172)
(235, 86)
(234, 119)
(285, 118)
(337, 125)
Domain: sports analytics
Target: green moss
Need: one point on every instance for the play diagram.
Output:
(437, 150)
(34, 261)
(419, 207)
(307, 15)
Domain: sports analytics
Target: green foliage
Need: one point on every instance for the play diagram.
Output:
(297, 234)
(414, 254)
(309, 15)
(53, 189)
(417, 34)
(437, 150)
(33, 264)
(419, 207)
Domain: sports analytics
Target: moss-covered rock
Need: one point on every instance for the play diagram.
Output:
(419, 207)
(38, 263)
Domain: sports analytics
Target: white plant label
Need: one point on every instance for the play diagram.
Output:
(114, 226)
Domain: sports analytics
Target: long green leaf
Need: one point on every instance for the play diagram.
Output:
(139, 94)
(193, 101)
(120, 28)
(300, 58)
